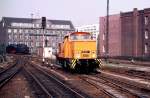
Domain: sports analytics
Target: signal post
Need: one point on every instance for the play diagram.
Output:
(43, 37)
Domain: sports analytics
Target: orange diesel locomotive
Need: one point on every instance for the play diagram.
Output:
(78, 51)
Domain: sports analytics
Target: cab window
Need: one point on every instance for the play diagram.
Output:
(80, 37)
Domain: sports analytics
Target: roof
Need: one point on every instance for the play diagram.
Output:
(74, 33)
(9, 20)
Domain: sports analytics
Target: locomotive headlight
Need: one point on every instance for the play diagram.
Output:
(77, 55)
(94, 55)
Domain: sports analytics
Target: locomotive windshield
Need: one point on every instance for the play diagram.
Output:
(80, 37)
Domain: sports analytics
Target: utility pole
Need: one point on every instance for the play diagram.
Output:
(31, 48)
(32, 21)
(107, 32)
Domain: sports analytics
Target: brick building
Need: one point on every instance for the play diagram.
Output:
(28, 31)
(129, 34)
(114, 36)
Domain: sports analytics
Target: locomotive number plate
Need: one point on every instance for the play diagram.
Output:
(85, 55)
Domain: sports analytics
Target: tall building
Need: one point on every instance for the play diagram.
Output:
(114, 36)
(28, 31)
(129, 34)
(93, 29)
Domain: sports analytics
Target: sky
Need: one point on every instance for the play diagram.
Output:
(80, 12)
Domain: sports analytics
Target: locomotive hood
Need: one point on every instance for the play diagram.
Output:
(84, 49)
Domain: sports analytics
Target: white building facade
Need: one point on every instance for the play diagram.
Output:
(28, 31)
(93, 29)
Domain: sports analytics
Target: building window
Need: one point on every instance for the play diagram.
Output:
(27, 44)
(103, 49)
(32, 45)
(37, 31)
(9, 36)
(47, 31)
(33, 25)
(103, 36)
(20, 37)
(15, 37)
(20, 31)
(9, 30)
(146, 34)
(9, 43)
(24, 42)
(3, 24)
(26, 37)
(30, 37)
(26, 31)
(146, 48)
(146, 20)
(54, 32)
(37, 25)
(48, 26)
(15, 42)
(15, 30)
(37, 44)
(20, 24)
(35, 37)
(29, 31)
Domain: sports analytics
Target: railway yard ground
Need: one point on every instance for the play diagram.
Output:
(27, 77)
(4, 65)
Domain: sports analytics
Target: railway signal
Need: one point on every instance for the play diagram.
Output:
(43, 27)
(43, 22)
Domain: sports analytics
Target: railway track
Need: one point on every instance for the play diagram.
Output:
(130, 73)
(110, 89)
(117, 61)
(52, 87)
(138, 74)
(116, 88)
(8, 74)
(129, 70)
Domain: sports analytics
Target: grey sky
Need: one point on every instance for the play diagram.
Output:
(78, 11)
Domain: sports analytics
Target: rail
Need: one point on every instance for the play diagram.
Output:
(8, 74)
(40, 76)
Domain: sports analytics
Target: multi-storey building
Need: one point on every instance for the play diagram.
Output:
(28, 31)
(114, 36)
(93, 29)
(129, 34)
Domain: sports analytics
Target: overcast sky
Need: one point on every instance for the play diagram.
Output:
(80, 12)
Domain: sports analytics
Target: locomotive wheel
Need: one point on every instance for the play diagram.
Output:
(65, 64)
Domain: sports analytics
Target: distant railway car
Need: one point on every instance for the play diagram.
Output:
(78, 52)
(11, 48)
(19, 49)
(22, 49)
